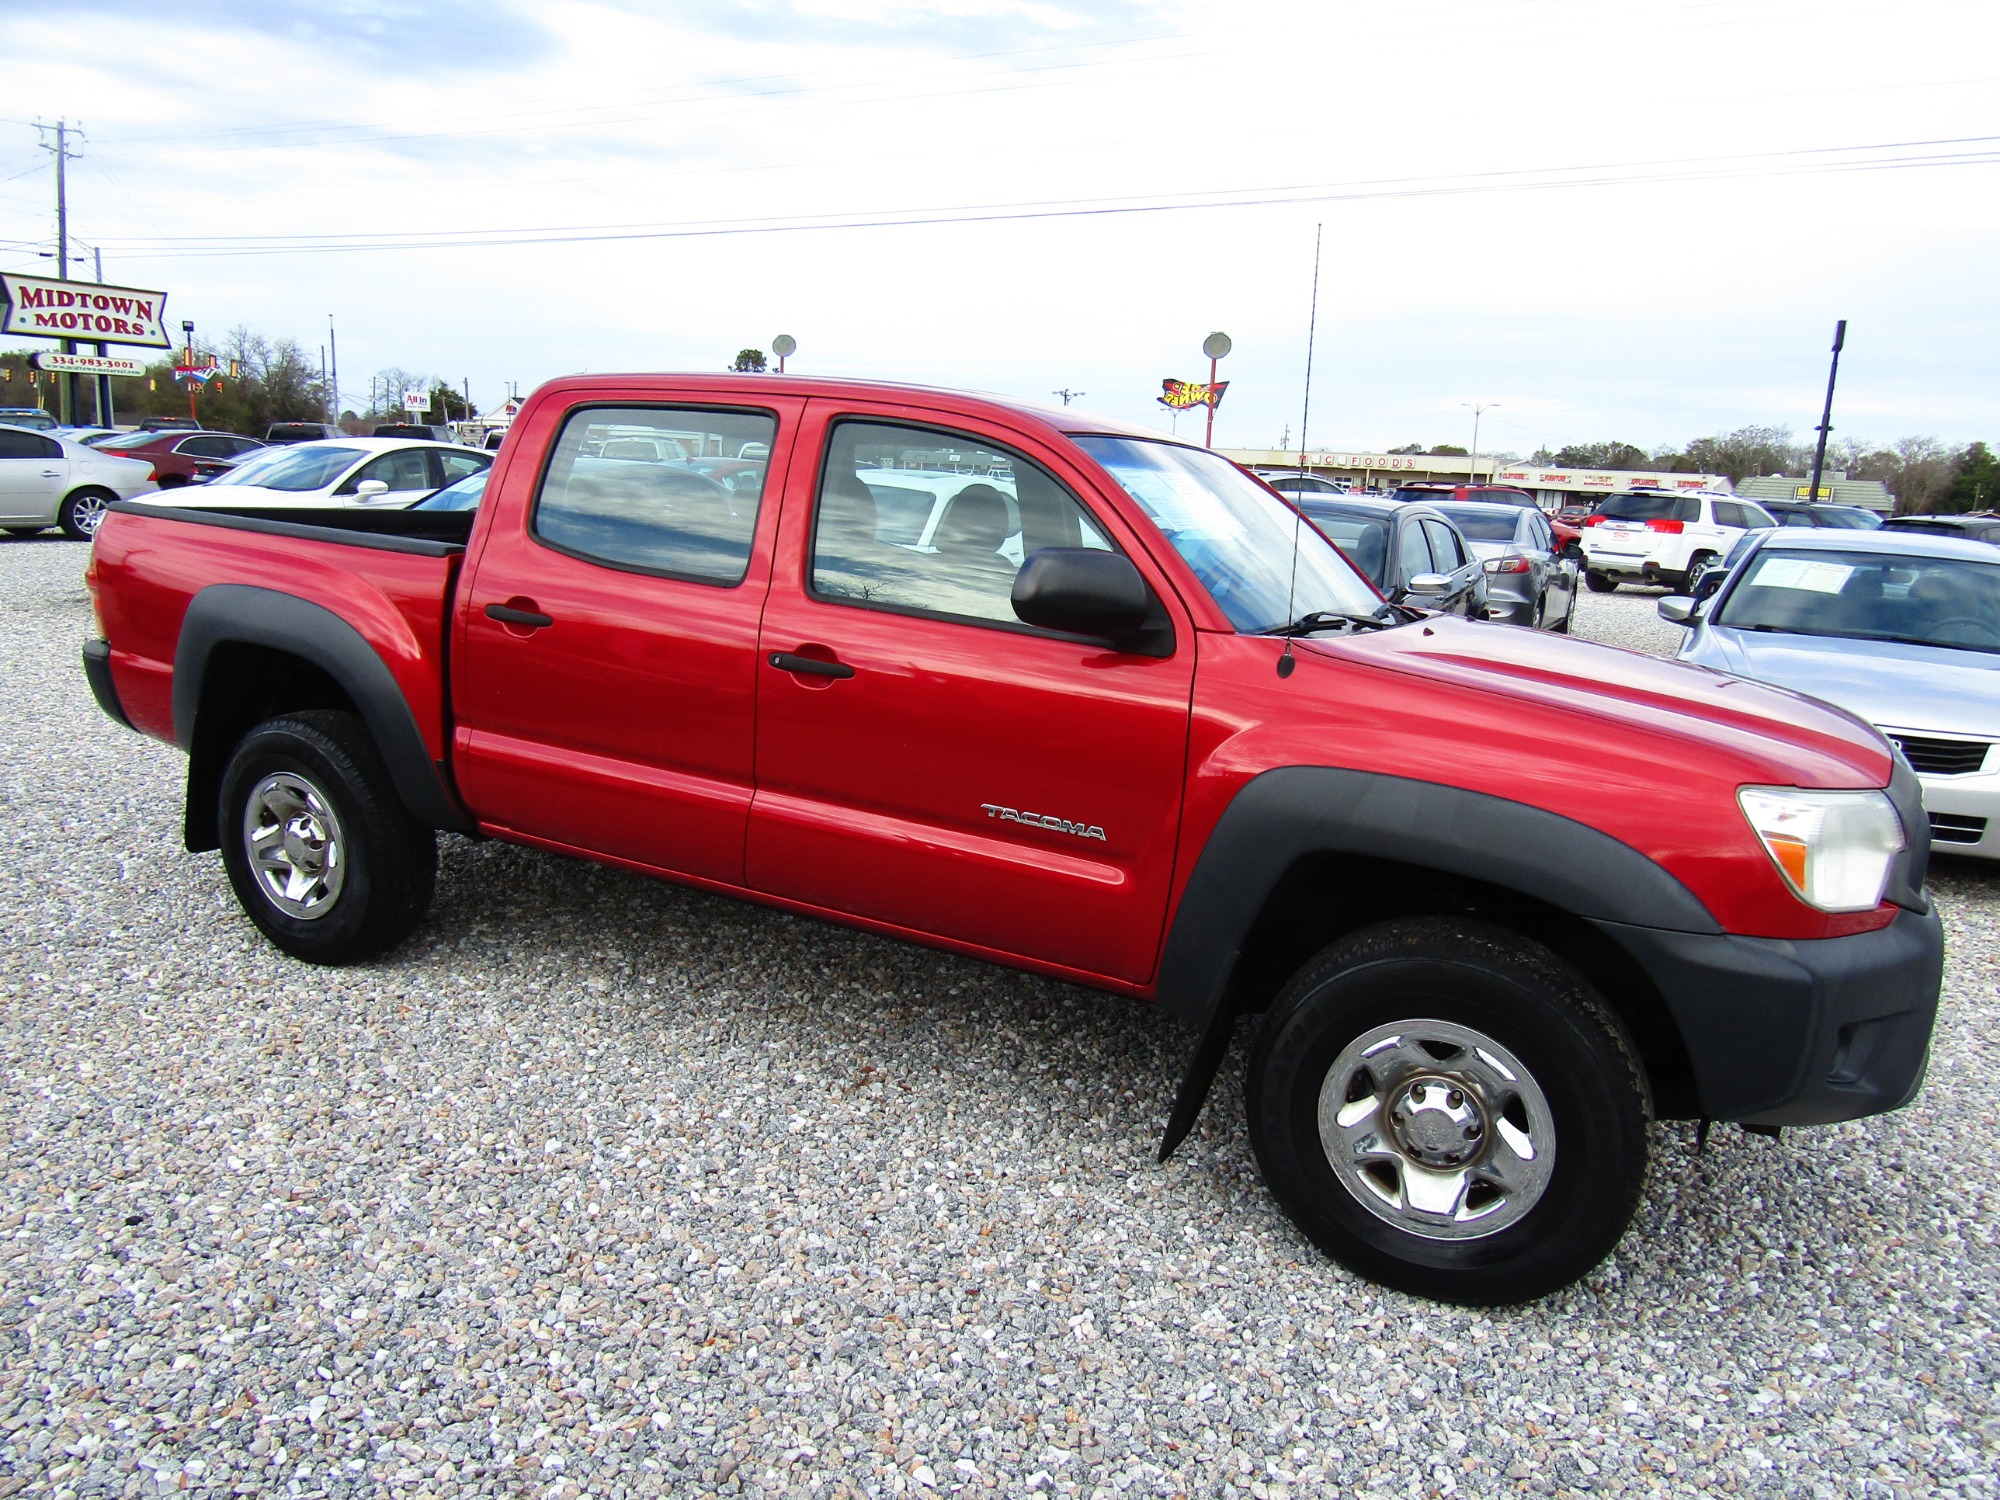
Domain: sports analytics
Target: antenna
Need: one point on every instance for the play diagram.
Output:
(1285, 662)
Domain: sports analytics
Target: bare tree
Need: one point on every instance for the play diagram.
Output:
(1925, 469)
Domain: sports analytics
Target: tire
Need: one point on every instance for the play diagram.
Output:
(1599, 583)
(81, 513)
(358, 872)
(1698, 567)
(1503, 1225)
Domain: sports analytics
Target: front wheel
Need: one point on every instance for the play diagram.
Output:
(323, 856)
(1699, 569)
(83, 512)
(1450, 1110)
(1599, 583)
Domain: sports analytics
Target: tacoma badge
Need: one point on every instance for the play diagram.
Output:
(1043, 820)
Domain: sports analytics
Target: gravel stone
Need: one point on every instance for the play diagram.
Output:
(601, 1187)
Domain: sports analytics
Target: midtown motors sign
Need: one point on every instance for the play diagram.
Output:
(84, 310)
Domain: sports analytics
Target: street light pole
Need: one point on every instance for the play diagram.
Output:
(1215, 346)
(1826, 416)
(187, 328)
(1472, 474)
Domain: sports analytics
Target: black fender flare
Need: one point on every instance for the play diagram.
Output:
(1284, 815)
(234, 612)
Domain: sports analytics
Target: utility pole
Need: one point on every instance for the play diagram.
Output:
(333, 345)
(68, 387)
(1826, 416)
(1069, 396)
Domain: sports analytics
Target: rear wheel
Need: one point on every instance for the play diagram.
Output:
(1449, 1109)
(83, 512)
(1698, 569)
(1599, 583)
(323, 856)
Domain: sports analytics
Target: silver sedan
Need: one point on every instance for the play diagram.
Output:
(1528, 580)
(1900, 630)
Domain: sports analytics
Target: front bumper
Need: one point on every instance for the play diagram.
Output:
(97, 670)
(1964, 813)
(1799, 1033)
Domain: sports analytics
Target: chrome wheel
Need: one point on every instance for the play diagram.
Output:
(1437, 1129)
(293, 841)
(86, 514)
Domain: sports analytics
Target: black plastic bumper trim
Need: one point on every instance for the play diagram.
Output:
(1800, 1033)
(97, 669)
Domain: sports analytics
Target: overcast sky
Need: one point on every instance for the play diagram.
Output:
(1632, 220)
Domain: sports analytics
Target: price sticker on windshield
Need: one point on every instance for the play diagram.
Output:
(1799, 573)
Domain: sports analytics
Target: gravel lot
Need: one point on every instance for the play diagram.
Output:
(601, 1187)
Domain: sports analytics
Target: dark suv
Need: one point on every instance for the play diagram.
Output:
(299, 432)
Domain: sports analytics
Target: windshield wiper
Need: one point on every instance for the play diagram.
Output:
(1323, 619)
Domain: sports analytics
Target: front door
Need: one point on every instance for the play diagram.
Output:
(924, 758)
(606, 676)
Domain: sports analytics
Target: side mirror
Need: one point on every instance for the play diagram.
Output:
(370, 489)
(1429, 583)
(1083, 591)
(1678, 609)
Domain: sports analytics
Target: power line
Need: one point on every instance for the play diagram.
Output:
(1805, 162)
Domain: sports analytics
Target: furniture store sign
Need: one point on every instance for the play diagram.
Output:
(84, 310)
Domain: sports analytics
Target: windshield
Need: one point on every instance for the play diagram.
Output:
(1929, 601)
(293, 470)
(463, 495)
(1237, 537)
(124, 440)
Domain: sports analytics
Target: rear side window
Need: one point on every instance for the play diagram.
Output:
(920, 521)
(1445, 549)
(621, 490)
(14, 443)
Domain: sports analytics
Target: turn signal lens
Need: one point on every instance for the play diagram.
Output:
(1834, 849)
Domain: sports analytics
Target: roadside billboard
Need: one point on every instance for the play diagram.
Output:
(85, 310)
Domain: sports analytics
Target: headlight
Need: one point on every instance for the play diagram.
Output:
(1833, 848)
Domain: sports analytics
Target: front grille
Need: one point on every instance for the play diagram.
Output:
(1941, 757)
(1949, 828)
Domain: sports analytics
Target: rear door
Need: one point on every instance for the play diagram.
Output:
(923, 758)
(606, 678)
(33, 475)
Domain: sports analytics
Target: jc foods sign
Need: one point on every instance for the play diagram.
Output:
(84, 310)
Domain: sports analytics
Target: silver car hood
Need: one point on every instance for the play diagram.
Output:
(1885, 682)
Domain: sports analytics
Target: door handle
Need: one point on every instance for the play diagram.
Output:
(52, 473)
(506, 614)
(809, 666)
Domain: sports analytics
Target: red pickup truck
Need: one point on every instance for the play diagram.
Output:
(1086, 701)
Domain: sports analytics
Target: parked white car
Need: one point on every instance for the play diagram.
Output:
(51, 481)
(1664, 537)
(335, 473)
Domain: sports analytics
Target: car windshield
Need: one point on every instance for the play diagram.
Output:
(1926, 601)
(125, 440)
(1481, 524)
(463, 495)
(1239, 539)
(1849, 518)
(293, 470)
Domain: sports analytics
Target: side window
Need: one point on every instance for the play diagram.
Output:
(404, 469)
(620, 490)
(204, 447)
(1688, 510)
(1414, 553)
(1445, 549)
(1757, 518)
(915, 519)
(1727, 514)
(14, 443)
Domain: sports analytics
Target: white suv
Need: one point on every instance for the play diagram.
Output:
(1659, 536)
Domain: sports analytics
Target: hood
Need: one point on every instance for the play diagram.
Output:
(1887, 683)
(1745, 729)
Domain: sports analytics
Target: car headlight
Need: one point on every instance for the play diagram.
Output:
(1833, 848)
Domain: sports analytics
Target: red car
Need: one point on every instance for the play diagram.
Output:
(180, 457)
(1088, 702)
